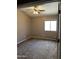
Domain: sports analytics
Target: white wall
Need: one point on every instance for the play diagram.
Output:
(32, 27)
(23, 26)
(38, 27)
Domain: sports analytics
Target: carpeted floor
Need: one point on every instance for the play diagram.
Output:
(37, 49)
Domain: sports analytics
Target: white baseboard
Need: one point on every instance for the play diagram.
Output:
(42, 37)
(23, 40)
(39, 37)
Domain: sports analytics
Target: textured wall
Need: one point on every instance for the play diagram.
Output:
(38, 27)
(23, 26)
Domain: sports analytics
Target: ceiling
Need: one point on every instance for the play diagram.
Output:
(50, 9)
(20, 2)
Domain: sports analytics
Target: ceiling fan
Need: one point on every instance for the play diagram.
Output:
(37, 10)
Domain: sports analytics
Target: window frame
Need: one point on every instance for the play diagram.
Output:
(50, 25)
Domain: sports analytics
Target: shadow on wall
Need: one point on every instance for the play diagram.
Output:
(23, 26)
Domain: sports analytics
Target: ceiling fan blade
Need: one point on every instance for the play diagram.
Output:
(41, 10)
(35, 10)
(38, 12)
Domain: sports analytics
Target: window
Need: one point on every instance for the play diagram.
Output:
(50, 25)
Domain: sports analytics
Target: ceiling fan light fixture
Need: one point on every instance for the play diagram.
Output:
(35, 12)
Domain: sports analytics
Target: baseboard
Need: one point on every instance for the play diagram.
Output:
(24, 40)
(36, 37)
(42, 37)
